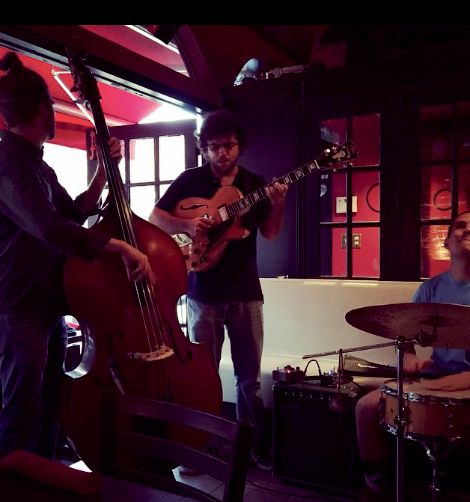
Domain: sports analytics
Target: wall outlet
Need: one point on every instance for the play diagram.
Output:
(356, 241)
(341, 204)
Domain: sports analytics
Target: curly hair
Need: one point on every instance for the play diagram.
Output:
(22, 91)
(220, 123)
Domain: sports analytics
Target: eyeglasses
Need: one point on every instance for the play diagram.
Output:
(215, 147)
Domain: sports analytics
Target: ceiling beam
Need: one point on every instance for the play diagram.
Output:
(112, 64)
(269, 39)
(223, 50)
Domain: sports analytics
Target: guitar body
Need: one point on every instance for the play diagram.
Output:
(205, 250)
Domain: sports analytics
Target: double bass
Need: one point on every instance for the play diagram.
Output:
(132, 340)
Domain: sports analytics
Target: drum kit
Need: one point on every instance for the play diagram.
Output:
(408, 409)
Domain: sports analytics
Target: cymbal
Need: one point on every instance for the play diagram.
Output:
(445, 325)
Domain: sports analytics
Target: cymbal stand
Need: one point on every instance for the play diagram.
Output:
(354, 349)
(400, 420)
(437, 452)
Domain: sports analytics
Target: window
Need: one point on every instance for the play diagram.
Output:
(149, 164)
(350, 202)
(444, 164)
(152, 159)
(154, 155)
(70, 165)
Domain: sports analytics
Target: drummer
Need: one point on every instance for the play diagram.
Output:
(452, 286)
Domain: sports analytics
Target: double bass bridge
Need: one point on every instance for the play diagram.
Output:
(155, 355)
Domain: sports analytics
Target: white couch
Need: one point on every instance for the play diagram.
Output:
(306, 316)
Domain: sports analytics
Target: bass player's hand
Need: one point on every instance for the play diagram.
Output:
(137, 264)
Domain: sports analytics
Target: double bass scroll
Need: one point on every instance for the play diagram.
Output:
(133, 342)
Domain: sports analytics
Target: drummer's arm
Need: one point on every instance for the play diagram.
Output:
(413, 364)
(459, 381)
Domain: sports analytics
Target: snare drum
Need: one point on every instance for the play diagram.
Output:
(430, 414)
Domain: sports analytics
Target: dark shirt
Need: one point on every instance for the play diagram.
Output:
(235, 275)
(39, 225)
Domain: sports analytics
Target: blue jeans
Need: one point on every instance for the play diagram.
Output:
(244, 323)
(31, 369)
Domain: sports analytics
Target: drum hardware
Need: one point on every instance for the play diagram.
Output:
(437, 452)
(408, 324)
(431, 415)
(437, 419)
(339, 403)
(400, 420)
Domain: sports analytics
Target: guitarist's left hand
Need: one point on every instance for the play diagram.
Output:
(277, 194)
(271, 226)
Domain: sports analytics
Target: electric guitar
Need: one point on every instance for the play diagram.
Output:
(228, 204)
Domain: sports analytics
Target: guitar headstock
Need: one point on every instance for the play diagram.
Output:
(337, 155)
(84, 81)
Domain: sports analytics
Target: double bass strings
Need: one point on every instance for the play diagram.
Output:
(152, 318)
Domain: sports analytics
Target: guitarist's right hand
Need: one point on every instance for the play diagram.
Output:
(176, 225)
(198, 226)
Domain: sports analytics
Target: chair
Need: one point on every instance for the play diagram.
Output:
(131, 452)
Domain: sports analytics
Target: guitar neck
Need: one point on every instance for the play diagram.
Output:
(261, 193)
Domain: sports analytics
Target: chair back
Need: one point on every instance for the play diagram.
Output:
(136, 448)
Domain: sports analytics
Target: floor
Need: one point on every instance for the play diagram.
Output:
(262, 486)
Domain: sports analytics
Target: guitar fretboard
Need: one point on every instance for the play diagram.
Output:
(261, 193)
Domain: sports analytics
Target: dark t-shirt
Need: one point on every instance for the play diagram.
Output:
(235, 276)
(39, 224)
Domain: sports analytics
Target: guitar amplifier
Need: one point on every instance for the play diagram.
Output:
(312, 444)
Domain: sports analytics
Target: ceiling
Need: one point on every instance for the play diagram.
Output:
(212, 54)
(119, 106)
(139, 70)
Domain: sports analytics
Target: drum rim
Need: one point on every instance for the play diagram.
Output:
(428, 398)
(407, 395)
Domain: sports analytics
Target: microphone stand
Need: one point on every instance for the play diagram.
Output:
(400, 420)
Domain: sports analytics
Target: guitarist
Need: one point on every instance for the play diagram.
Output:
(228, 294)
